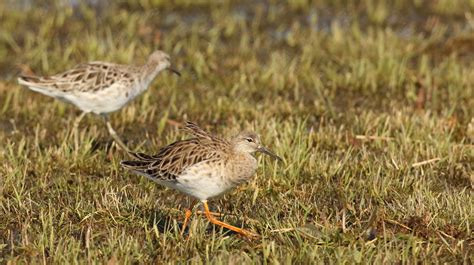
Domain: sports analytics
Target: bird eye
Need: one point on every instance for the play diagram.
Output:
(250, 140)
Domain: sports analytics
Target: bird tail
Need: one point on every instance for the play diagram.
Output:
(140, 156)
(134, 165)
(141, 161)
(143, 166)
(39, 84)
(28, 80)
(140, 166)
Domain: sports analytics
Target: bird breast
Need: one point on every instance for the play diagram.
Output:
(242, 168)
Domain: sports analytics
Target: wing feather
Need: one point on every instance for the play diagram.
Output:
(196, 131)
(93, 76)
(175, 158)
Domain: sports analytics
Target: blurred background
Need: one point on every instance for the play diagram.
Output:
(370, 102)
(405, 53)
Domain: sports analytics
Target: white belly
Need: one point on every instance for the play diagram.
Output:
(203, 183)
(104, 101)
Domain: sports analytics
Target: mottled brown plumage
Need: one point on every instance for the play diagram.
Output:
(88, 77)
(205, 166)
(100, 87)
(173, 159)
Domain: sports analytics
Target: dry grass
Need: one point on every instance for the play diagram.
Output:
(368, 103)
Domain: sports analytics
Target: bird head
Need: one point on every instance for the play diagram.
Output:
(161, 61)
(249, 142)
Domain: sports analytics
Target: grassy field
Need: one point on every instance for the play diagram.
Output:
(370, 104)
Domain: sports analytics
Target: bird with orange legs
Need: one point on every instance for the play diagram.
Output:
(203, 167)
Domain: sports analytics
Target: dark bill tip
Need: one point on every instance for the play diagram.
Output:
(269, 153)
(174, 71)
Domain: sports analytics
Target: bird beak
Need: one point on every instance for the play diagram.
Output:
(268, 152)
(174, 71)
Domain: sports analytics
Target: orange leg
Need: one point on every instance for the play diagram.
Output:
(211, 213)
(187, 216)
(213, 220)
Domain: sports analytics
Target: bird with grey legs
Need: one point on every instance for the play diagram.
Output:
(203, 167)
(100, 87)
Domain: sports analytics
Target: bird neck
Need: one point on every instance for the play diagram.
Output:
(149, 71)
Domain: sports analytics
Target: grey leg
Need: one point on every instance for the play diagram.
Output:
(75, 129)
(114, 134)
